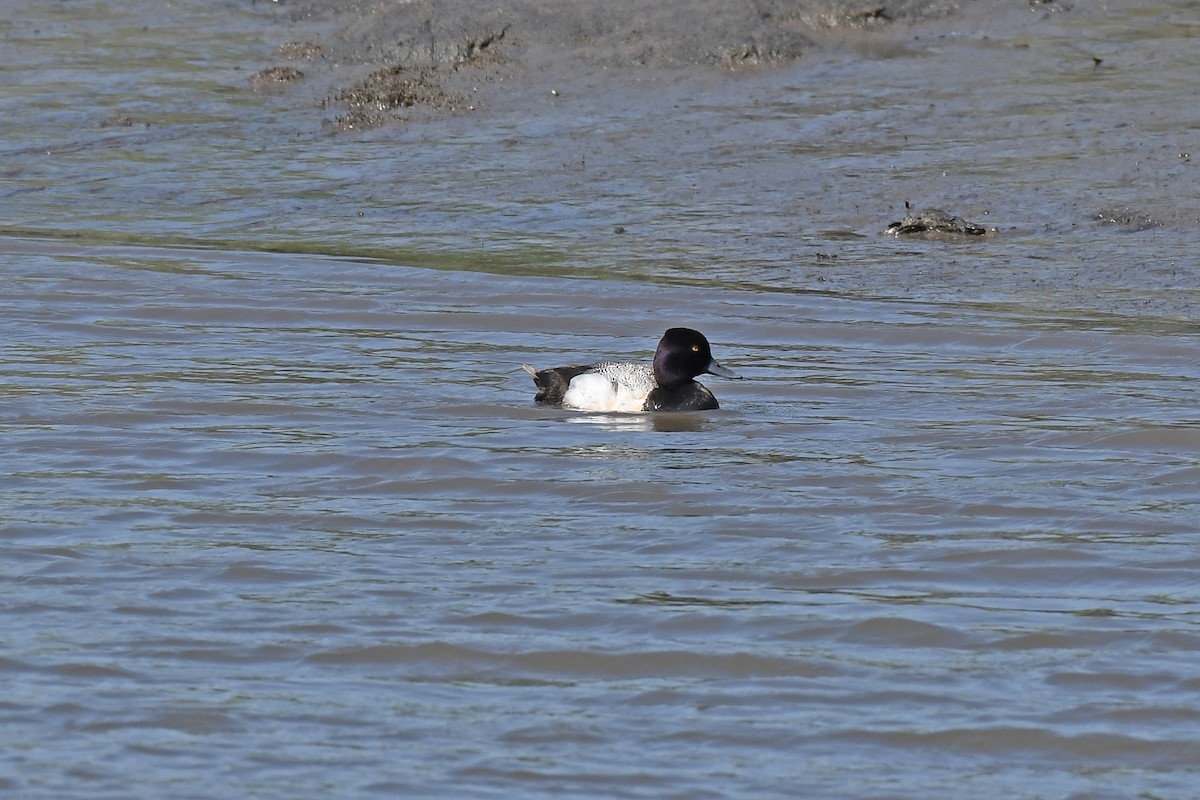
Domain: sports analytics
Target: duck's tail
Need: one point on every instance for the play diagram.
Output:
(553, 383)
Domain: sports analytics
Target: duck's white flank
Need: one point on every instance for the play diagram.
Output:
(611, 386)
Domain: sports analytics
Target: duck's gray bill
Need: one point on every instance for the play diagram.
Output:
(716, 369)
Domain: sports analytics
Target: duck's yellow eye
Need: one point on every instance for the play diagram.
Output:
(695, 348)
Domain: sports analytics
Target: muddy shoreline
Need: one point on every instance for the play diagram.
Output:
(1048, 125)
(760, 146)
(387, 63)
(368, 65)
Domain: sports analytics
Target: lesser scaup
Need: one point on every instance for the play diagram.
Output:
(668, 385)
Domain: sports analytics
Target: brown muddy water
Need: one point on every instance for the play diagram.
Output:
(281, 520)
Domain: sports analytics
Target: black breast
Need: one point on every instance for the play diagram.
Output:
(690, 396)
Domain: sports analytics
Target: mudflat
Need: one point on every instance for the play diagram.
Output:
(792, 134)
(435, 55)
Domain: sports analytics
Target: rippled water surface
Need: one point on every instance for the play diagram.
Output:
(279, 518)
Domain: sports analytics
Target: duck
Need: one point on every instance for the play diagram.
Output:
(666, 385)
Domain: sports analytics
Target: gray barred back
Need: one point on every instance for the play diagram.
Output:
(637, 378)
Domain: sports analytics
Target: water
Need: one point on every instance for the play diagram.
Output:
(279, 518)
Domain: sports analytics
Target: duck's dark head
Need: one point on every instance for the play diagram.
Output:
(683, 354)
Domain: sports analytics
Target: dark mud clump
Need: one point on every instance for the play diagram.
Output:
(117, 120)
(274, 77)
(932, 223)
(376, 99)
